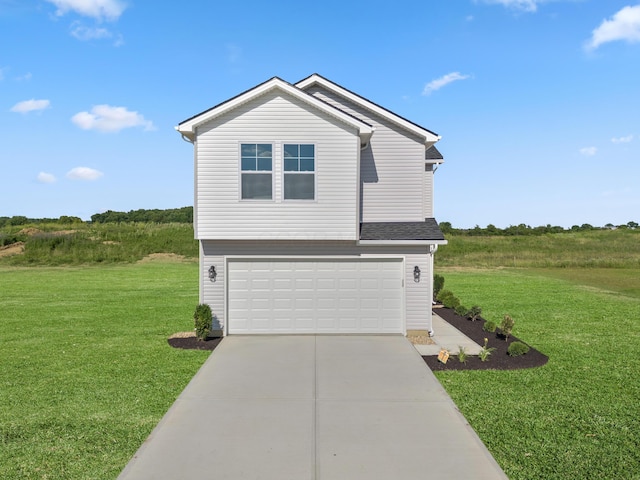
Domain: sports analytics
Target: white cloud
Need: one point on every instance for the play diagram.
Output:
(98, 9)
(624, 25)
(44, 177)
(626, 139)
(588, 151)
(88, 33)
(26, 77)
(438, 83)
(106, 118)
(84, 173)
(30, 106)
(524, 5)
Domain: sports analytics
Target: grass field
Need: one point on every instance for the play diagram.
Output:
(578, 416)
(587, 249)
(86, 369)
(87, 372)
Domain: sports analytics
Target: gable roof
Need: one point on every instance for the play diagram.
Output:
(402, 231)
(433, 155)
(188, 127)
(429, 137)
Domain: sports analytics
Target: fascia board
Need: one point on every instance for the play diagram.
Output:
(188, 127)
(402, 242)
(429, 137)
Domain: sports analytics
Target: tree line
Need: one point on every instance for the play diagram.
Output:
(523, 229)
(172, 215)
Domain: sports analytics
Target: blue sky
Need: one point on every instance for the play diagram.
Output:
(537, 102)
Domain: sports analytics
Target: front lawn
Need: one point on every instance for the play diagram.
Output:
(86, 369)
(579, 415)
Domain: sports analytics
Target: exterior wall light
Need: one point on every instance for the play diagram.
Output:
(212, 273)
(416, 274)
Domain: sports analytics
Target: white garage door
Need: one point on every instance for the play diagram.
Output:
(315, 296)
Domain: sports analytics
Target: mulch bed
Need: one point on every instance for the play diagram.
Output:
(499, 358)
(192, 343)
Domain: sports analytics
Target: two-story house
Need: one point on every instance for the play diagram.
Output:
(314, 212)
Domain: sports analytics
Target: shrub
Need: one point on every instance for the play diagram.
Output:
(448, 299)
(506, 326)
(489, 326)
(202, 319)
(438, 284)
(461, 310)
(485, 351)
(473, 313)
(517, 348)
(462, 355)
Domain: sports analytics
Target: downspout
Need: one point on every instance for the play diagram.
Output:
(433, 248)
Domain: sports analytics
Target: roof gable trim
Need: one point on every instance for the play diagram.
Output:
(429, 137)
(188, 127)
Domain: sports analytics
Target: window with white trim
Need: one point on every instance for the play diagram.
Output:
(256, 165)
(299, 172)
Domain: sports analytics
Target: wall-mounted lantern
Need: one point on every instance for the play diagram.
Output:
(416, 274)
(212, 273)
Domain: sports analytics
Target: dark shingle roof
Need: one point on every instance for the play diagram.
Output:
(433, 153)
(427, 230)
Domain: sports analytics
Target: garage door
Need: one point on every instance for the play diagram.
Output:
(315, 296)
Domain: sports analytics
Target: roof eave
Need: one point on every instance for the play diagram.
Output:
(429, 137)
(402, 242)
(189, 126)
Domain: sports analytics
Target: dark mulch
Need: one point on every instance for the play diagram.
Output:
(498, 360)
(192, 343)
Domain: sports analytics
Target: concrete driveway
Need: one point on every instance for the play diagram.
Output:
(313, 407)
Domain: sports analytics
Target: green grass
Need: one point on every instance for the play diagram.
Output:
(86, 369)
(87, 373)
(82, 244)
(578, 416)
(588, 249)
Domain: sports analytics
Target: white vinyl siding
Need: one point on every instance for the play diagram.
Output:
(277, 120)
(417, 296)
(428, 191)
(392, 167)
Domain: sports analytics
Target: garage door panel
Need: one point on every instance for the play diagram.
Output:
(309, 296)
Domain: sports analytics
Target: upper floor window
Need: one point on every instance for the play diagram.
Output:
(256, 164)
(299, 172)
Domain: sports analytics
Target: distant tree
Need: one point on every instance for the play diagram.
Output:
(66, 220)
(18, 220)
(632, 225)
(446, 227)
(492, 229)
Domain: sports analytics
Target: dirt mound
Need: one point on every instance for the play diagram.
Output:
(164, 257)
(13, 249)
(29, 231)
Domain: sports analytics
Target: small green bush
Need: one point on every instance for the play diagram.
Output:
(489, 326)
(202, 319)
(486, 351)
(462, 355)
(506, 326)
(517, 348)
(474, 313)
(438, 285)
(461, 310)
(448, 299)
